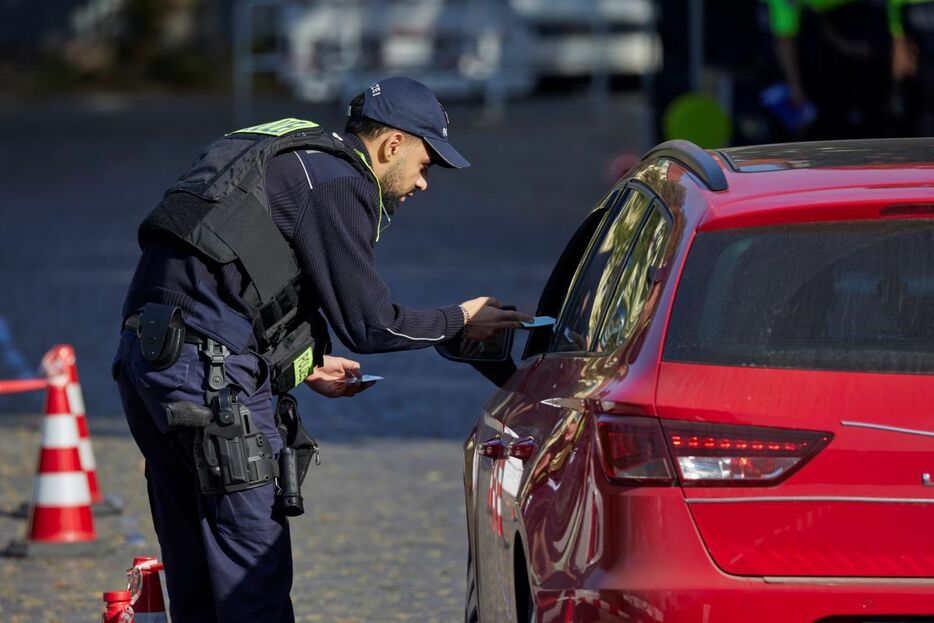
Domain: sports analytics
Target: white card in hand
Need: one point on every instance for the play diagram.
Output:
(538, 321)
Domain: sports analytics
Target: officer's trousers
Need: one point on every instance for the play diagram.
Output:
(227, 557)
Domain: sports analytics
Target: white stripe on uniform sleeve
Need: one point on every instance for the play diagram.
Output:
(302, 162)
(416, 339)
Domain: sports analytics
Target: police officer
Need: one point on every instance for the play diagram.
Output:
(269, 232)
(911, 24)
(834, 53)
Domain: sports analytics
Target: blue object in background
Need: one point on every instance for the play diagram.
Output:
(777, 100)
(11, 361)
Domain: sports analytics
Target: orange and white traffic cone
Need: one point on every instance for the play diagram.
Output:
(147, 586)
(62, 359)
(60, 520)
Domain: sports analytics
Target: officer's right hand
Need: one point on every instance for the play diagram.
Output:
(486, 319)
(337, 377)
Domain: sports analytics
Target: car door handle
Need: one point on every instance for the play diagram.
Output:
(493, 448)
(523, 449)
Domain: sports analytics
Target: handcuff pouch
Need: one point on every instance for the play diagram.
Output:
(161, 334)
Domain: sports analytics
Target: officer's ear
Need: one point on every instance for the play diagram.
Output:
(391, 145)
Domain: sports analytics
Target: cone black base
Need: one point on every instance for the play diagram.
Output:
(110, 505)
(21, 512)
(33, 549)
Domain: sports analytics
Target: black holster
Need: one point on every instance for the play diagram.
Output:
(228, 457)
(295, 457)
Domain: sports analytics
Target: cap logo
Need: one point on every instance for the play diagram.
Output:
(375, 90)
(444, 132)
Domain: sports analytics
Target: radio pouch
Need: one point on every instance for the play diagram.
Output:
(161, 334)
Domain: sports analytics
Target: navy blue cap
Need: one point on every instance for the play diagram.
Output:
(410, 106)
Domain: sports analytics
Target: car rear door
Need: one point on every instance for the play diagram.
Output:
(494, 470)
(543, 420)
(820, 334)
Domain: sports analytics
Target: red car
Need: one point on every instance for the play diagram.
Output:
(733, 418)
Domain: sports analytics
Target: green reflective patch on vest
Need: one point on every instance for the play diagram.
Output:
(303, 365)
(278, 128)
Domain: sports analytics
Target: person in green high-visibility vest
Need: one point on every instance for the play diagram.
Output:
(911, 23)
(835, 54)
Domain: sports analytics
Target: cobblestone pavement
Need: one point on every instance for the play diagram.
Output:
(382, 539)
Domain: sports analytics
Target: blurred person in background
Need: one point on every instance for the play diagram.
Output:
(835, 54)
(279, 203)
(911, 23)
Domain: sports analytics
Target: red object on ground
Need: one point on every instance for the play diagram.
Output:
(146, 588)
(61, 506)
(61, 359)
(117, 608)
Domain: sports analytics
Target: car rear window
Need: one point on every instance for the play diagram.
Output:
(853, 296)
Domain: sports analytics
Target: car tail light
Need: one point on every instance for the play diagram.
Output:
(717, 455)
(633, 450)
(647, 451)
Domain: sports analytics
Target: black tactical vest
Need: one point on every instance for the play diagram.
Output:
(219, 208)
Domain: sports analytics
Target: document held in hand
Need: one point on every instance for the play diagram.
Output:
(538, 321)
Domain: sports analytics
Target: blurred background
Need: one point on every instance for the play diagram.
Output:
(777, 69)
(103, 103)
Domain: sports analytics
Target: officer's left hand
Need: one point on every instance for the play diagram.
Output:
(337, 377)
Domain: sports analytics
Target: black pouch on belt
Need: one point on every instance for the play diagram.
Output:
(161, 334)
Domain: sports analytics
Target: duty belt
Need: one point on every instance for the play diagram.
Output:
(151, 330)
(230, 452)
(133, 323)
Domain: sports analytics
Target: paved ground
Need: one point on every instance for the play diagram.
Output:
(384, 539)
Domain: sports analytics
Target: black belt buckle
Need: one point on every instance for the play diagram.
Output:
(161, 334)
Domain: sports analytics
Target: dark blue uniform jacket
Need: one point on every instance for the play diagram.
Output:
(329, 212)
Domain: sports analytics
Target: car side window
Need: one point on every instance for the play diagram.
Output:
(555, 291)
(595, 283)
(636, 280)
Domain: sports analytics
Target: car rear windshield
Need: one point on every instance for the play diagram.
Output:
(853, 296)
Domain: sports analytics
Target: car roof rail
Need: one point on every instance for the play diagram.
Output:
(697, 160)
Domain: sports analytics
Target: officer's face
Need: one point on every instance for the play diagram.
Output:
(407, 173)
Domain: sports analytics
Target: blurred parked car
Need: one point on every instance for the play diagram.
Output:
(733, 418)
(578, 38)
(459, 48)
